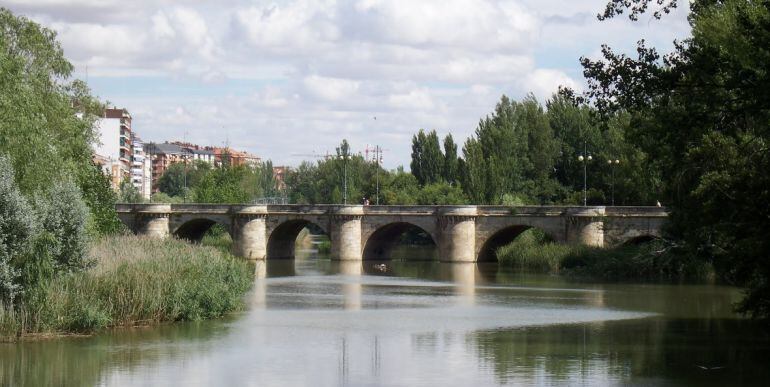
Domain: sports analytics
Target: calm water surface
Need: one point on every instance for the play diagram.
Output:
(318, 323)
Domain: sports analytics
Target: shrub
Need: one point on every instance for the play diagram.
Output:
(17, 227)
(63, 216)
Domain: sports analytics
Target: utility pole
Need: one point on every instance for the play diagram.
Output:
(378, 162)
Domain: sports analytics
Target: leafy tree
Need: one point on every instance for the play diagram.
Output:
(128, 193)
(222, 185)
(701, 113)
(44, 114)
(451, 162)
(440, 193)
(432, 159)
(181, 177)
(400, 187)
(418, 156)
(100, 199)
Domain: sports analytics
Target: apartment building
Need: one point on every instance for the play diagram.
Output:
(141, 168)
(113, 148)
(161, 156)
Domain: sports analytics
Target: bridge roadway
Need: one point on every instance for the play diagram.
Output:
(461, 233)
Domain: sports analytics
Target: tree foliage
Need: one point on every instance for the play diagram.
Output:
(202, 183)
(702, 115)
(46, 119)
(17, 226)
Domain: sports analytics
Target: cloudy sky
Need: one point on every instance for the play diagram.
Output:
(289, 78)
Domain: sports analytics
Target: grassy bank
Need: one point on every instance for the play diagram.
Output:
(136, 281)
(656, 260)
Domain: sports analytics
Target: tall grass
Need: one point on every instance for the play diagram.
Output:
(657, 260)
(218, 237)
(136, 281)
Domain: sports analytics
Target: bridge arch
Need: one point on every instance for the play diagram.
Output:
(380, 244)
(193, 229)
(502, 237)
(639, 239)
(281, 243)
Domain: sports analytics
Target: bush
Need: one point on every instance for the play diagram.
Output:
(532, 251)
(656, 260)
(63, 216)
(17, 227)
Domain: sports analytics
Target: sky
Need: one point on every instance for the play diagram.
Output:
(288, 80)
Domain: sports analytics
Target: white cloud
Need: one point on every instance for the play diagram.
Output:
(331, 89)
(270, 73)
(544, 82)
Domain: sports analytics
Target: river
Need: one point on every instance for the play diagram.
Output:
(313, 322)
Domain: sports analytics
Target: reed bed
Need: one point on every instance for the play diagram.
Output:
(532, 252)
(136, 281)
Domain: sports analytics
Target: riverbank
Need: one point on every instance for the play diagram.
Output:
(135, 281)
(656, 260)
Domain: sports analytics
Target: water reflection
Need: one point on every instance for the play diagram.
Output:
(463, 275)
(422, 323)
(351, 287)
(259, 295)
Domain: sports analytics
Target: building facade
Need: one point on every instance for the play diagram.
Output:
(141, 169)
(113, 150)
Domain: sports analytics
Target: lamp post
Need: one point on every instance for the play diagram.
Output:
(377, 162)
(585, 158)
(613, 164)
(344, 159)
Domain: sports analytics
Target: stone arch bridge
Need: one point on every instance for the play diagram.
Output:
(461, 233)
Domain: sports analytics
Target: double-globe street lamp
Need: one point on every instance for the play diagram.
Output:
(378, 163)
(345, 159)
(585, 158)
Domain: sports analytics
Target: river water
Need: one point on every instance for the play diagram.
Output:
(313, 322)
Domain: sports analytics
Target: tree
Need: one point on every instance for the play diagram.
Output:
(46, 117)
(441, 193)
(128, 193)
(451, 167)
(418, 155)
(432, 159)
(701, 113)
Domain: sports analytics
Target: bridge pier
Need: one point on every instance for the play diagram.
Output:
(585, 226)
(458, 234)
(152, 220)
(250, 235)
(346, 233)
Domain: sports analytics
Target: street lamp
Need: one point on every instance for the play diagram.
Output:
(378, 162)
(613, 164)
(344, 159)
(585, 161)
